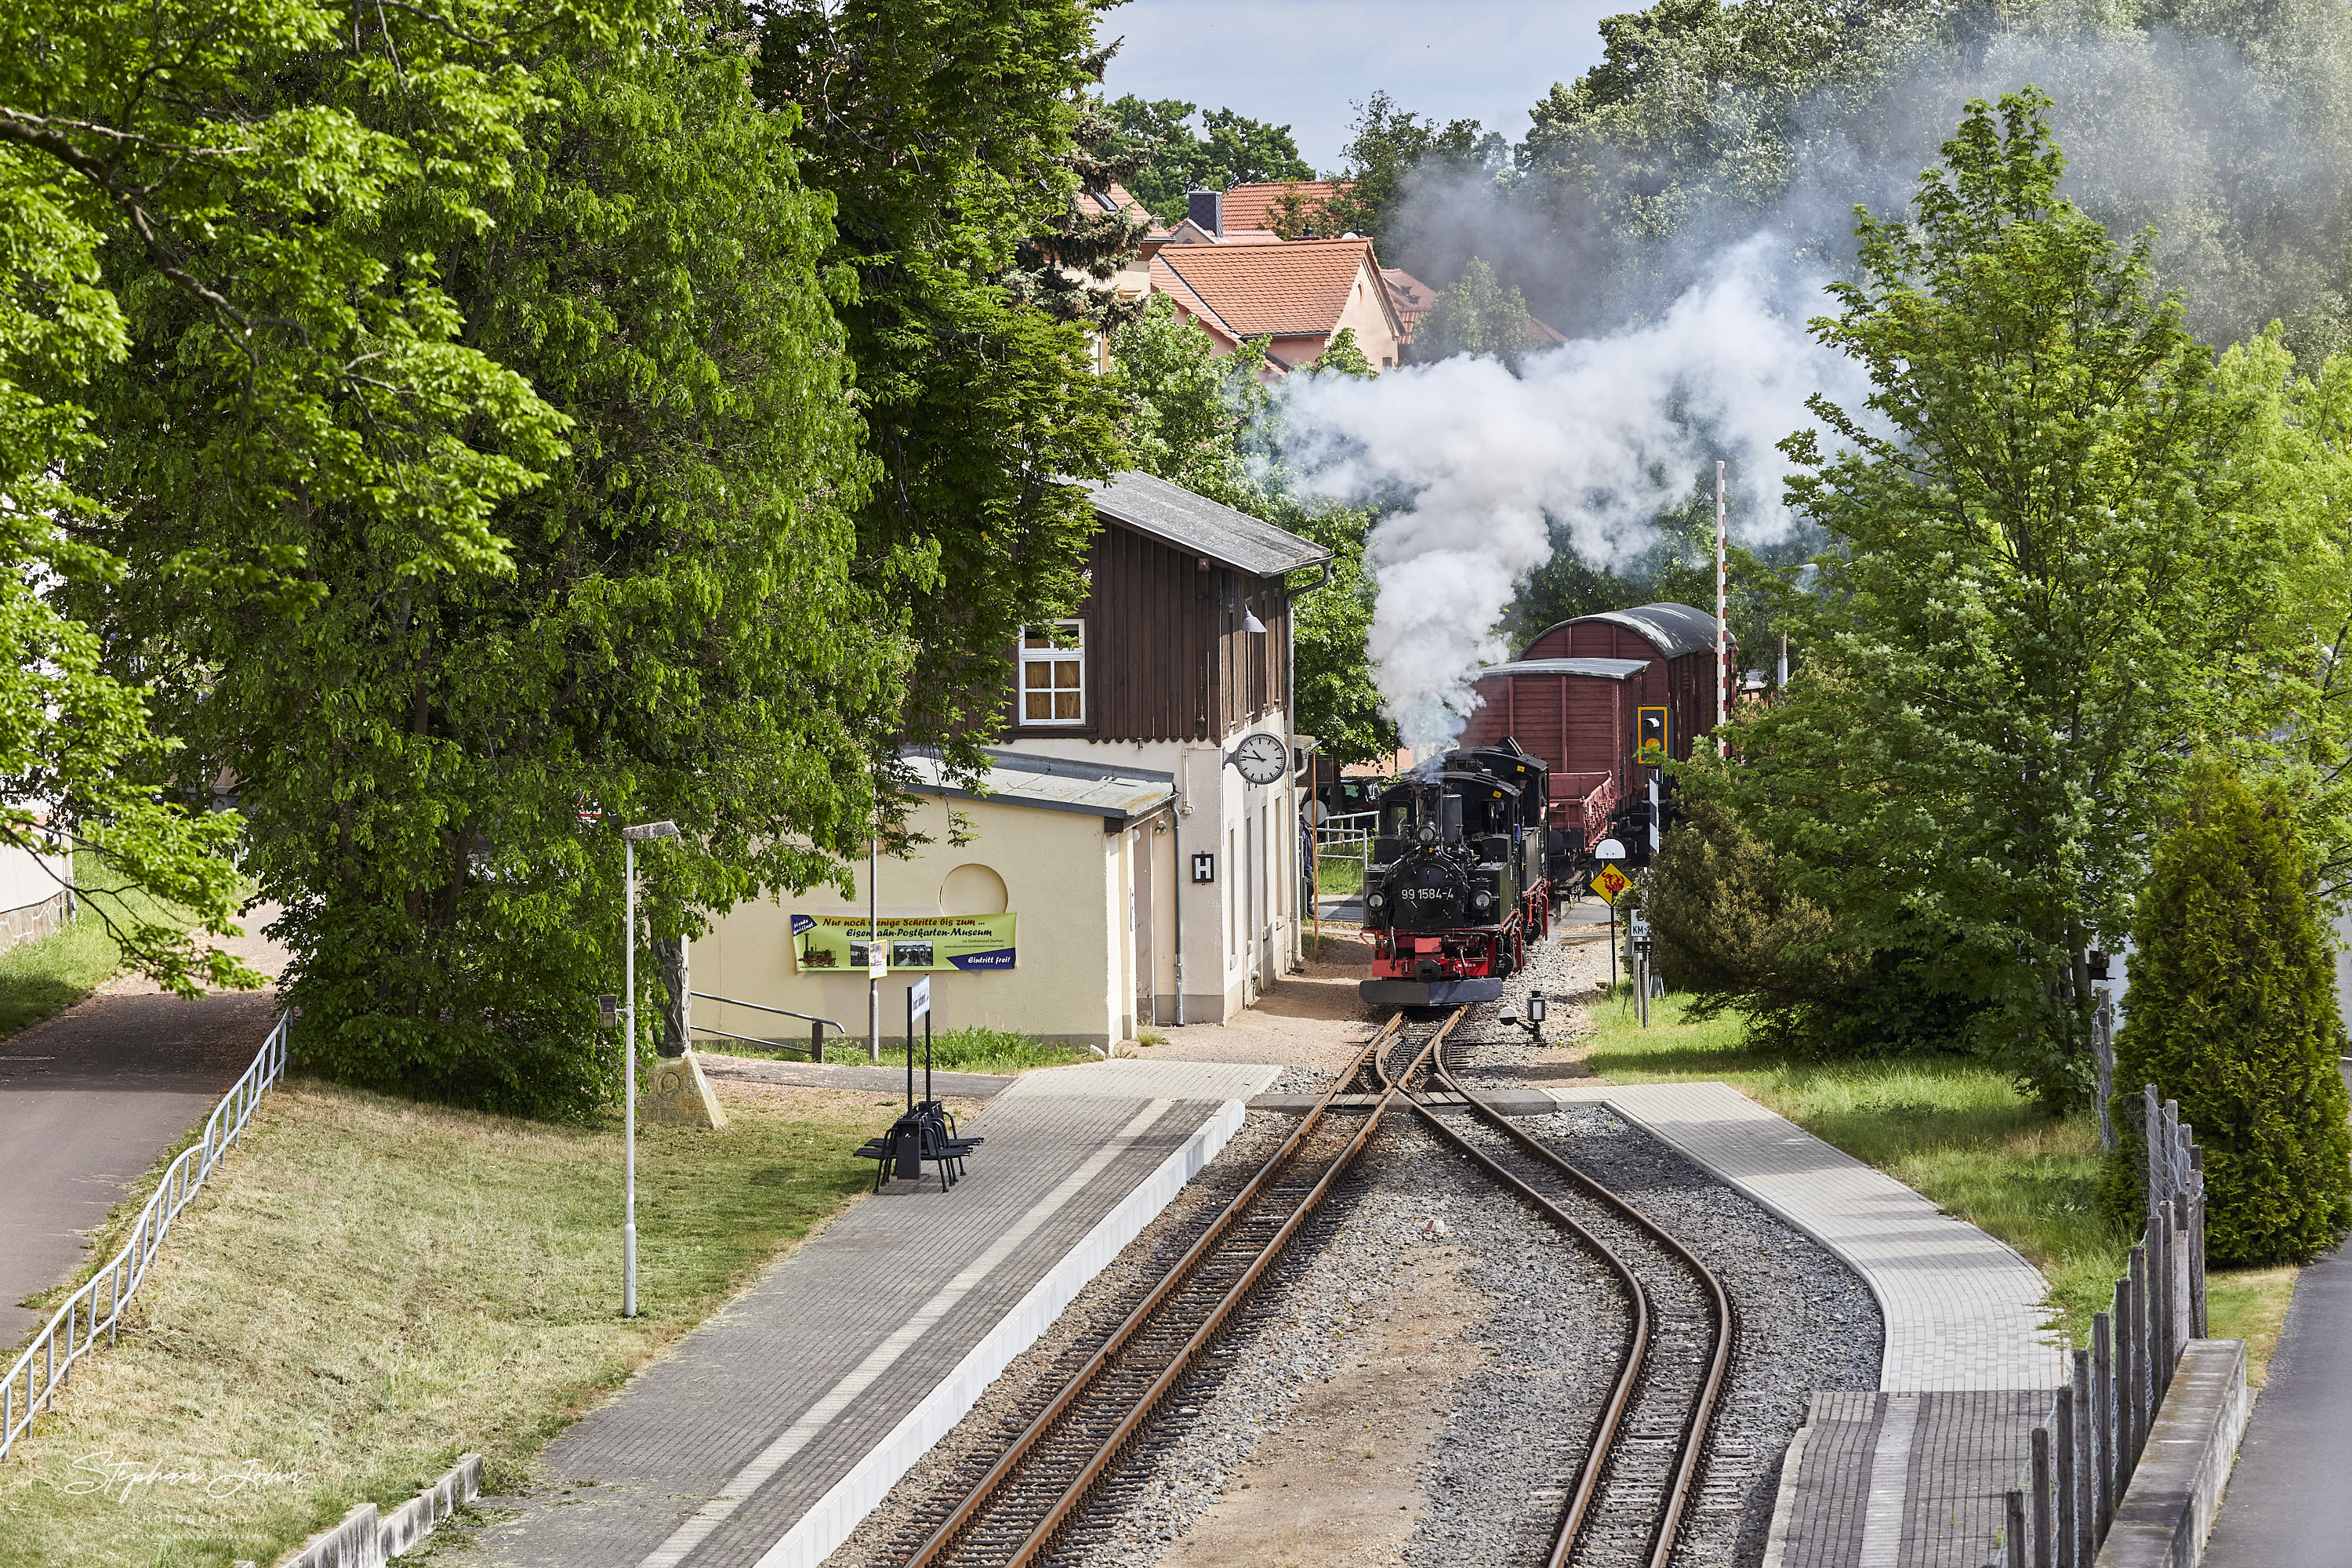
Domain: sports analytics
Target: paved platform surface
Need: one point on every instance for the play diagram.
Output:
(1963, 1310)
(89, 1100)
(776, 1426)
(1902, 1481)
(2289, 1504)
(885, 1079)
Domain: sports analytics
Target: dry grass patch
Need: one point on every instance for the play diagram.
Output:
(2250, 1304)
(373, 1286)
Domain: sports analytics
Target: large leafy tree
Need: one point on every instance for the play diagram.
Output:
(2039, 591)
(1171, 158)
(1388, 148)
(948, 135)
(199, 195)
(435, 753)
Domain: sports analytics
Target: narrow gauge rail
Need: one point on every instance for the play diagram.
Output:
(1627, 1506)
(1014, 1512)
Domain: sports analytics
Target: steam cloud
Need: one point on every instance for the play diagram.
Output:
(1597, 436)
(1602, 434)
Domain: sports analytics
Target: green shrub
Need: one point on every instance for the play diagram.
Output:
(1731, 932)
(2233, 1013)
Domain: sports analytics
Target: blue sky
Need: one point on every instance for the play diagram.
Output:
(1301, 62)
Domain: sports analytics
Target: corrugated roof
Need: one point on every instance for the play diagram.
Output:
(1051, 784)
(1196, 524)
(1672, 629)
(1298, 290)
(1253, 205)
(1606, 668)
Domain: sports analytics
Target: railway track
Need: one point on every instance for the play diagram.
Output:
(1014, 1513)
(1627, 1505)
(1630, 1495)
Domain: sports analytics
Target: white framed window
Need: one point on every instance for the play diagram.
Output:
(1054, 673)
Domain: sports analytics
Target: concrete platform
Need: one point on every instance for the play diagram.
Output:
(889, 1078)
(775, 1428)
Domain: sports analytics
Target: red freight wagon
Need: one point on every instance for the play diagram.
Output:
(1571, 699)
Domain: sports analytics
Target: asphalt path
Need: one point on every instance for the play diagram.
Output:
(2289, 1504)
(92, 1098)
(88, 1101)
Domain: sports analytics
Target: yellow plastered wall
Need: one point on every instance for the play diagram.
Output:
(1064, 876)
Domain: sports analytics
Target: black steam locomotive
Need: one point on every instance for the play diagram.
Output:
(1465, 868)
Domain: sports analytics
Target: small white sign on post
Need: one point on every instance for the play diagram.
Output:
(878, 960)
(919, 998)
(1640, 926)
(1609, 850)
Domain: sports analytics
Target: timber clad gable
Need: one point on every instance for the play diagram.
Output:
(1166, 646)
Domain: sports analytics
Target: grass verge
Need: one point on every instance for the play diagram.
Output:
(959, 1051)
(1339, 873)
(1953, 1129)
(370, 1288)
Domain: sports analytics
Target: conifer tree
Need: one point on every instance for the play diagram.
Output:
(2233, 1013)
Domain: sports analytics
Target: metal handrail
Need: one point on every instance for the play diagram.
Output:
(77, 1319)
(762, 1007)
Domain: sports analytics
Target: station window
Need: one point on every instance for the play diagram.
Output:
(1053, 673)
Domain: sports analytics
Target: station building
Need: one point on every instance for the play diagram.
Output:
(1136, 841)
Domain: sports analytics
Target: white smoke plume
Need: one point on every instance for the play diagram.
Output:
(1597, 435)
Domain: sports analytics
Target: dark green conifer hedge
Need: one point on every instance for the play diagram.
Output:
(2231, 1011)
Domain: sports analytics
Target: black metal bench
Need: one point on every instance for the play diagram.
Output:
(925, 1132)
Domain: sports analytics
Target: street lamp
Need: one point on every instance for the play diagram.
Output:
(630, 836)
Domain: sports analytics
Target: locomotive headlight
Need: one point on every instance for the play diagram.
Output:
(1428, 832)
(1480, 900)
(1373, 900)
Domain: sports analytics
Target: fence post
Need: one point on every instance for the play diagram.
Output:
(2151, 1149)
(2103, 1416)
(2141, 1410)
(2160, 1275)
(2046, 1527)
(2067, 1472)
(2013, 1534)
(2086, 1464)
(2197, 1241)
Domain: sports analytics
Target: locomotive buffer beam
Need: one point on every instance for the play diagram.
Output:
(1429, 993)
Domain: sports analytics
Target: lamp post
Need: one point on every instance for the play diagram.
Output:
(629, 840)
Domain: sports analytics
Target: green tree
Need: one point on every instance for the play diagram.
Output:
(1474, 315)
(948, 136)
(1230, 148)
(2038, 582)
(2233, 1013)
(669, 626)
(198, 195)
(1388, 147)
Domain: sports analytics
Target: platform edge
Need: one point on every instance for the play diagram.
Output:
(829, 1521)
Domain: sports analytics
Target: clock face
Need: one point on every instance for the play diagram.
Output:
(1261, 759)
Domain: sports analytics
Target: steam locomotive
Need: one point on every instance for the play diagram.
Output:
(1463, 874)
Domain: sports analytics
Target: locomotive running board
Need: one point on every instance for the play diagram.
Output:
(1428, 993)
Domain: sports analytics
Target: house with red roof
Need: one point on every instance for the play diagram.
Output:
(1296, 295)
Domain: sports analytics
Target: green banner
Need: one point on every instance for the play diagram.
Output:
(838, 943)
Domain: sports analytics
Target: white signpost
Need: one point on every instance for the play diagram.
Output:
(919, 998)
(1609, 850)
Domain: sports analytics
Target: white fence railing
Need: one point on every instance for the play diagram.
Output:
(1354, 827)
(47, 1363)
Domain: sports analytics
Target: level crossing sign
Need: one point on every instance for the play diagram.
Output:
(1611, 883)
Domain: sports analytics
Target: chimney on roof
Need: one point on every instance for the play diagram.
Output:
(1206, 209)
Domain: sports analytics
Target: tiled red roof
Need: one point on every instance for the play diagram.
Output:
(1164, 280)
(1280, 290)
(1252, 206)
(1117, 200)
(1409, 295)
